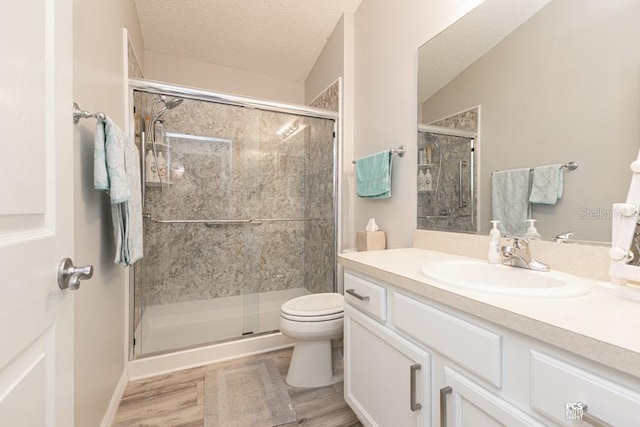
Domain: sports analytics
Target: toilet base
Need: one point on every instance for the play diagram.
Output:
(311, 365)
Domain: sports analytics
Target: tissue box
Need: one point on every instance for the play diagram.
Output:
(370, 240)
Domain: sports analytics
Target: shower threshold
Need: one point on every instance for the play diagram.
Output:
(181, 325)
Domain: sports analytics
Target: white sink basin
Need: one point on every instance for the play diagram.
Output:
(501, 279)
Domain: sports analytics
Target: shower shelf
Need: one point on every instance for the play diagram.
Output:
(426, 165)
(426, 191)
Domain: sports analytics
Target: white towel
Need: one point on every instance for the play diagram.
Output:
(117, 170)
(510, 200)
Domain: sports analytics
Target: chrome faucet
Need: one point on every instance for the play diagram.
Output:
(519, 255)
(563, 237)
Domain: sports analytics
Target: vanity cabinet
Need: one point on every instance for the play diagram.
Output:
(463, 402)
(386, 377)
(472, 372)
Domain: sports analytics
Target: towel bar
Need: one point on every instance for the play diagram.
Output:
(572, 165)
(399, 151)
(81, 114)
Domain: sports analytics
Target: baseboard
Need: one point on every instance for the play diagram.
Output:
(112, 410)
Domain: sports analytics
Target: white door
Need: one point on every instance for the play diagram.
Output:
(36, 212)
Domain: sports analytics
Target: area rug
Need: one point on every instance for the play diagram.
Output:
(251, 394)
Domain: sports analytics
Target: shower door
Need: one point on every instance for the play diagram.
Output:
(243, 222)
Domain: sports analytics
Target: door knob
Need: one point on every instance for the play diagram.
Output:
(70, 276)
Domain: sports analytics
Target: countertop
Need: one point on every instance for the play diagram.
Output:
(598, 326)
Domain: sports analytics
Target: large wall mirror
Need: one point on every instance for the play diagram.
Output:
(541, 83)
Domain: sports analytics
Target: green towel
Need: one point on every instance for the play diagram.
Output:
(373, 175)
(509, 200)
(547, 184)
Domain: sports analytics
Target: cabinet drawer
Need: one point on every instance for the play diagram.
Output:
(474, 348)
(366, 296)
(557, 385)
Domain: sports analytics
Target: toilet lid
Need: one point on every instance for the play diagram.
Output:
(314, 305)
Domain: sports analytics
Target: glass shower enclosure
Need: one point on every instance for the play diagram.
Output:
(240, 216)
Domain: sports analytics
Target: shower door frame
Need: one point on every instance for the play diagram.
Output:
(162, 88)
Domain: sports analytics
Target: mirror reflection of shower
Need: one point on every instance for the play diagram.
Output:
(153, 129)
(447, 174)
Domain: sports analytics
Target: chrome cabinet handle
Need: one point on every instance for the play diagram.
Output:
(413, 369)
(357, 295)
(444, 391)
(69, 276)
(593, 420)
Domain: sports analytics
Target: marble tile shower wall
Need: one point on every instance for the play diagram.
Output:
(320, 235)
(251, 172)
(445, 203)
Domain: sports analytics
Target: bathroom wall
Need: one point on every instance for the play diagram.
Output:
(443, 205)
(250, 172)
(99, 330)
(329, 65)
(387, 37)
(134, 66)
(218, 78)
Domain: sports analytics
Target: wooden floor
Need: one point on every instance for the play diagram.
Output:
(178, 399)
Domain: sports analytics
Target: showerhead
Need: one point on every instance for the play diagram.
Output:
(168, 105)
(173, 103)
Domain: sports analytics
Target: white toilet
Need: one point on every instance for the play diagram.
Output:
(312, 321)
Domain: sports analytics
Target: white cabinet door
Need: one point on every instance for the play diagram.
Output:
(36, 212)
(467, 404)
(387, 379)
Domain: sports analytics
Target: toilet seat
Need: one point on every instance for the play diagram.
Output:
(314, 308)
(334, 316)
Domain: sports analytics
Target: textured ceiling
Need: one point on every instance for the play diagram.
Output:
(281, 38)
(452, 51)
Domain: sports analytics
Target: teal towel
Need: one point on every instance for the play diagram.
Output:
(373, 175)
(109, 171)
(510, 200)
(117, 170)
(547, 184)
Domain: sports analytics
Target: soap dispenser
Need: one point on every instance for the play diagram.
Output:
(421, 181)
(532, 231)
(494, 244)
